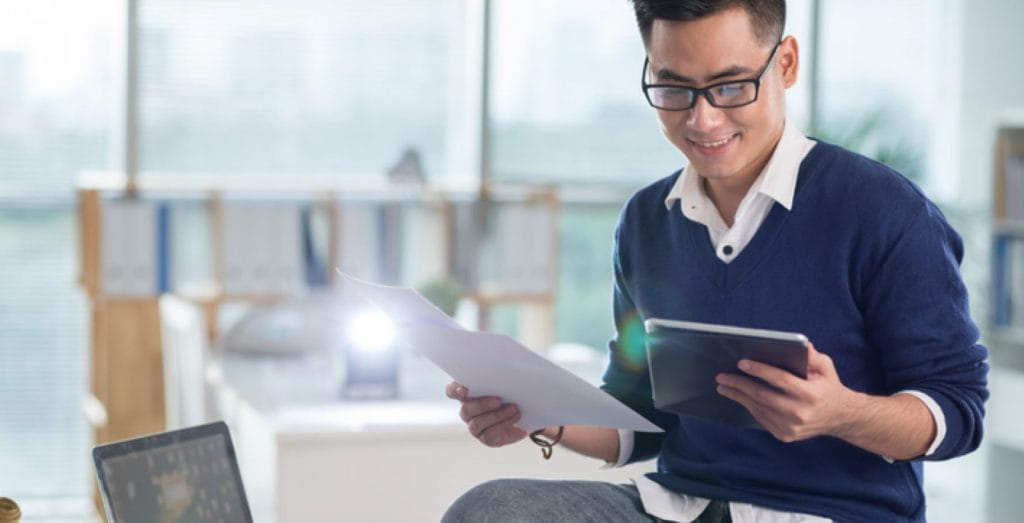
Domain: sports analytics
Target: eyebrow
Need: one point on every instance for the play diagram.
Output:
(666, 74)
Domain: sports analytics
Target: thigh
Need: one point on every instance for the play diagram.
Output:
(509, 500)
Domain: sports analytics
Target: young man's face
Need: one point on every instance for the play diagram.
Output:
(724, 145)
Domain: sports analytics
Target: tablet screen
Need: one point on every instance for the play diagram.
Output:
(685, 357)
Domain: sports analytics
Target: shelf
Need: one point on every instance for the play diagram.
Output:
(1008, 228)
(1006, 356)
(1006, 335)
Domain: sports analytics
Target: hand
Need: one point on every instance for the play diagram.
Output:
(795, 409)
(489, 420)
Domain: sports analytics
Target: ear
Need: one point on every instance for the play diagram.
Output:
(788, 61)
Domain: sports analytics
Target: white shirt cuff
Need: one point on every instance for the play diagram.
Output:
(937, 415)
(625, 450)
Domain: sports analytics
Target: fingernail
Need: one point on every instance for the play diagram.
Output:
(743, 365)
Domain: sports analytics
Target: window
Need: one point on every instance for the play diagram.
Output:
(566, 104)
(59, 81)
(313, 87)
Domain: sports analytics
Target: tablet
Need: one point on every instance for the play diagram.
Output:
(684, 358)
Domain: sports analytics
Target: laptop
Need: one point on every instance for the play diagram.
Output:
(684, 358)
(187, 475)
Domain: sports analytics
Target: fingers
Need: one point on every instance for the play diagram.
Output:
(754, 391)
(505, 416)
(779, 378)
(456, 391)
(474, 407)
(502, 434)
(766, 417)
(488, 419)
(820, 363)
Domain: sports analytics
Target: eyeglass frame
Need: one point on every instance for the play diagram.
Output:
(706, 91)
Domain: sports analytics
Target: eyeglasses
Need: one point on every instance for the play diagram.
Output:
(725, 95)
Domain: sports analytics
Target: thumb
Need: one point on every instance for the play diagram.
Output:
(819, 362)
(456, 391)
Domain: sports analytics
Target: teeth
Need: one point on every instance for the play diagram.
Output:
(714, 144)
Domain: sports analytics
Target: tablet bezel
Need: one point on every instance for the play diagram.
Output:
(687, 398)
(713, 328)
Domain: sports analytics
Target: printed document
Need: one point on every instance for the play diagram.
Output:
(496, 365)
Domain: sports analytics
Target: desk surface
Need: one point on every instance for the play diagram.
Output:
(304, 450)
(303, 395)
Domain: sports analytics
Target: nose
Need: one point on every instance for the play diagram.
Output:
(703, 116)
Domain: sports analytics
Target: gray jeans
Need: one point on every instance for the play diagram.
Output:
(530, 500)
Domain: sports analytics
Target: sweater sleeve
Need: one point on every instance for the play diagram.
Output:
(917, 314)
(626, 377)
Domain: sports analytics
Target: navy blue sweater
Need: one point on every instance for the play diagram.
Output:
(868, 269)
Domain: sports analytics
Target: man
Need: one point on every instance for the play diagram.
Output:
(766, 228)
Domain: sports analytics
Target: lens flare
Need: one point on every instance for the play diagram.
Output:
(371, 330)
(633, 344)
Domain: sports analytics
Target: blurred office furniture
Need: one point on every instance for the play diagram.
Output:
(307, 455)
(274, 238)
(1006, 329)
(1008, 237)
(518, 260)
(186, 354)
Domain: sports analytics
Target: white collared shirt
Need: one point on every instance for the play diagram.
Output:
(775, 184)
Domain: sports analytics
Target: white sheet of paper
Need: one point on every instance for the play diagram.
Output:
(403, 305)
(495, 365)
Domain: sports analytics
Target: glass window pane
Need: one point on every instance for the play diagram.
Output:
(59, 116)
(566, 99)
(293, 88)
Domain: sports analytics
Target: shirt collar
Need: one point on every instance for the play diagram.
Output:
(777, 180)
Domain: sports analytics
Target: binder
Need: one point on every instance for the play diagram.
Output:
(262, 248)
(1001, 264)
(1013, 198)
(357, 241)
(135, 248)
(517, 255)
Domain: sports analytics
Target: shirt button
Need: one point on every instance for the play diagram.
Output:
(727, 250)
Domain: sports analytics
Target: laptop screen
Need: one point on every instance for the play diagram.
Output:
(185, 475)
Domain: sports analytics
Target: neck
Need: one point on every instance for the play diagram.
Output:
(727, 193)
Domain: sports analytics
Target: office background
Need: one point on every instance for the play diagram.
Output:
(312, 88)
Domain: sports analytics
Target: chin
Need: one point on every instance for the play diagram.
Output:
(714, 170)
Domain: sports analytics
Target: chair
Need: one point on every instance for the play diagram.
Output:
(187, 394)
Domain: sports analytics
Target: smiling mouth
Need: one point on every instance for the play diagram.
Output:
(715, 144)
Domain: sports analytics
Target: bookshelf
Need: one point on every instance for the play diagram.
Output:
(1006, 333)
(1005, 336)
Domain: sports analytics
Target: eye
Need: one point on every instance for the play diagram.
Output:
(729, 90)
(676, 92)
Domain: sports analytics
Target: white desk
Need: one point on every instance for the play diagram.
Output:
(307, 455)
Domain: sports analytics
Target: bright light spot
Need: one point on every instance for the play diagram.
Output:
(371, 330)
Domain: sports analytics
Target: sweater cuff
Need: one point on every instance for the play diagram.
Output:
(937, 415)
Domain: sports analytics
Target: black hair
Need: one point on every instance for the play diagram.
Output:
(767, 17)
